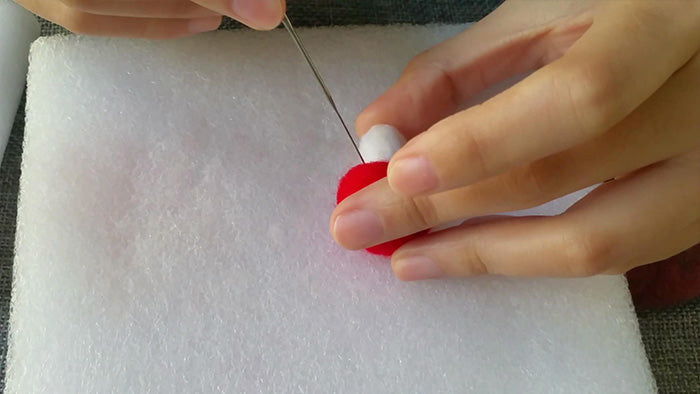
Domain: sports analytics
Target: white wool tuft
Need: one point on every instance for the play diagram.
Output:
(380, 143)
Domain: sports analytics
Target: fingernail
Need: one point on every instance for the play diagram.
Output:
(201, 25)
(358, 229)
(414, 175)
(417, 268)
(261, 14)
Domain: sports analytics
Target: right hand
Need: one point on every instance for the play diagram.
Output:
(155, 18)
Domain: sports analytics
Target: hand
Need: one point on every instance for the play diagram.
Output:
(614, 96)
(155, 18)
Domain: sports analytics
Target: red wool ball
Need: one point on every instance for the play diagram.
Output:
(360, 177)
(357, 179)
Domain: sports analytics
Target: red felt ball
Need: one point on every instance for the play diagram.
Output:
(360, 177)
(357, 179)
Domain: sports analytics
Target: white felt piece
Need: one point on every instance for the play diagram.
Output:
(380, 143)
(18, 28)
(173, 238)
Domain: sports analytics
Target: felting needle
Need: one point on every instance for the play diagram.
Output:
(288, 25)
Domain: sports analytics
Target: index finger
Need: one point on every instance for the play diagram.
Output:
(598, 82)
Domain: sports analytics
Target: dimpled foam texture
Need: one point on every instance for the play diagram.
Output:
(173, 238)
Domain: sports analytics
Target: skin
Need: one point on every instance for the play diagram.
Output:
(612, 96)
(155, 19)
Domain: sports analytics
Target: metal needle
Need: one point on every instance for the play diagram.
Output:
(288, 25)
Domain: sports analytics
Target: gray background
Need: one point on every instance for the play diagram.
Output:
(671, 336)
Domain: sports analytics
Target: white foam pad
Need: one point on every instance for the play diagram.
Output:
(18, 28)
(173, 237)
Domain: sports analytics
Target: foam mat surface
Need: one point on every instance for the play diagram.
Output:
(173, 237)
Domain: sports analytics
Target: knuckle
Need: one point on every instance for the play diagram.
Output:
(589, 94)
(426, 64)
(651, 16)
(474, 152)
(418, 62)
(421, 211)
(529, 186)
(474, 264)
(469, 148)
(589, 254)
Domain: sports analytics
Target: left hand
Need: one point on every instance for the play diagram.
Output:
(155, 19)
(615, 95)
